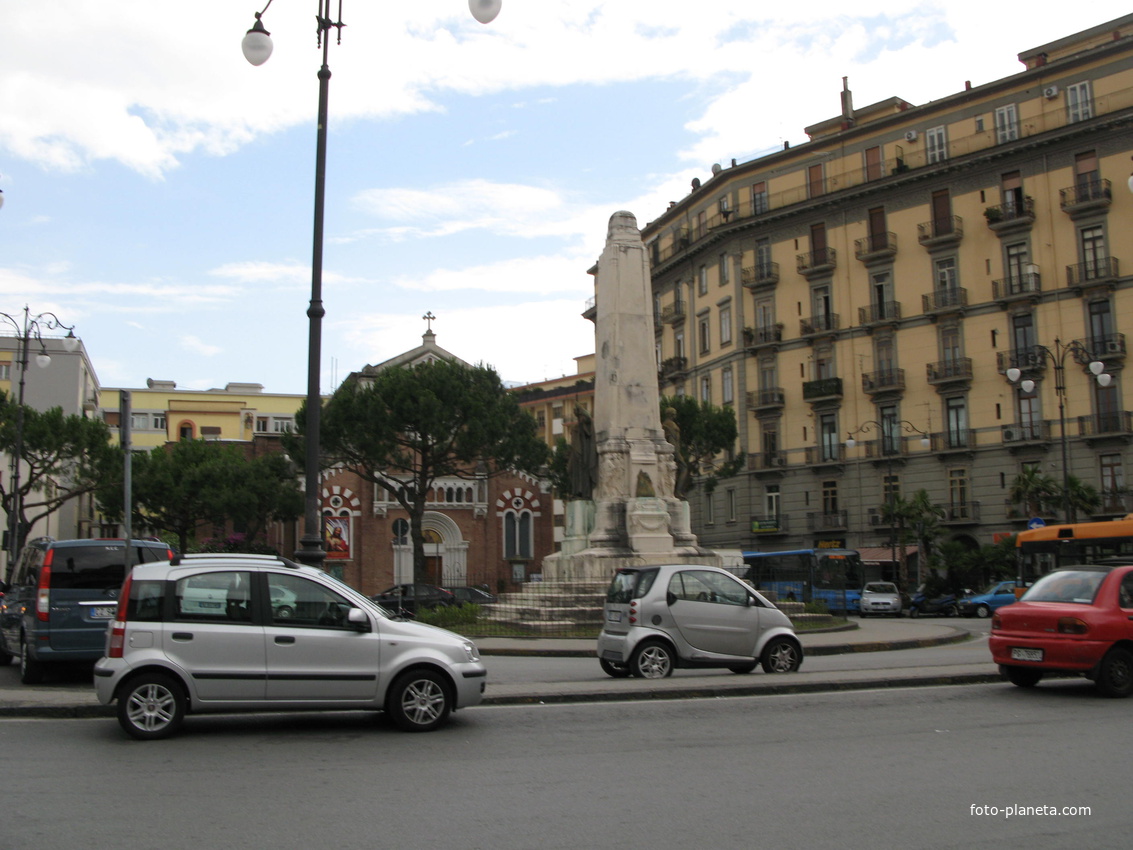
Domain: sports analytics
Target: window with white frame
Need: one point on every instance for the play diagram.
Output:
(702, 280)
(725, 270)
(704, 333)
(518, 539)
(936, 144)
(727, 385)
(282, 425)
(1006, 124)
(705, 389)
(1079, 102)
(5, 371)
(725, 324)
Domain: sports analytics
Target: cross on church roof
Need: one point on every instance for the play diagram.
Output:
(429, 317)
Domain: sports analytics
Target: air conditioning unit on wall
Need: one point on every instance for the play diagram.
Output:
(1050, 91)
(911, 136)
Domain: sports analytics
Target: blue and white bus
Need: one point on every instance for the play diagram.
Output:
(832, 576)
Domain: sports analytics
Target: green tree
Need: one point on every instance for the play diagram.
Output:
(182, 486)
(914, 519)
(1079, 498)
(1034, 491)
(704, 442)
(64, 457)
(405, 427)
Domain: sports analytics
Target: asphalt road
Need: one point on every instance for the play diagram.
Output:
(933, 767)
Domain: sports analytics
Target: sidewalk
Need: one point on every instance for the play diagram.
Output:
(75, 698)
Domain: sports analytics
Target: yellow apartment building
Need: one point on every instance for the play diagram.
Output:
(162, 413)
(932, 281)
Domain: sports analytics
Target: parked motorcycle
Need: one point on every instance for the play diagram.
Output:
(938, 606)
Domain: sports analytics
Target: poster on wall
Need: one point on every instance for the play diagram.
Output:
(337, 531)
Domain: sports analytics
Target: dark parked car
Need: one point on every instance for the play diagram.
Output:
(475, 595)
(60, 596)
(411, 598)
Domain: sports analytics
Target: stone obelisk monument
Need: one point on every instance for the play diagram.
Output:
(634, 517)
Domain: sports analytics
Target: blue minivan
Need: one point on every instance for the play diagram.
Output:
(61, 595)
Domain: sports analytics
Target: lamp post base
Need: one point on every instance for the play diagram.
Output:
(310, 552)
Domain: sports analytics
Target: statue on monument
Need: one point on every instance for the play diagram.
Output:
(582, 466)
(673, 436)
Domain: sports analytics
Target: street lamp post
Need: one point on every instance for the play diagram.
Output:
(1057, 357)
(27, 328)
(257, 47)
(889, 441)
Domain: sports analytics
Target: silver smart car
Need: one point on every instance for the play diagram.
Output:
(212, 633)
(659, 618)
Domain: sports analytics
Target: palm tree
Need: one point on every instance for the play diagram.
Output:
(916, 518)
(1079, 497)
(1034, 490)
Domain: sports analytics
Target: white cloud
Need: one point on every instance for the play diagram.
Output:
(197, 346)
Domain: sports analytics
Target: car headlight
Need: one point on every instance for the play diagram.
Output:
(471, 650)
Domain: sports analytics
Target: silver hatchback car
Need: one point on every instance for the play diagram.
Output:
(207, 633)
(659, 618)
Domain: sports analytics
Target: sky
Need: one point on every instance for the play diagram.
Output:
(159, 190)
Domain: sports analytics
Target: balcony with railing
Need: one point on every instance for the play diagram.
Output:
(824, 389)
(961, 513)
(883, 381)
(817, 262)
(760, 276)
(952, 299)
(763, 335)
(828, 454)
(1016, 287)
(1030, 359)
(881, 313)
(673, 368)
(674, 313)
(820, 324)
(941, 232)
(766, 461)
(1118, 423)
(1086, 198)
(771, 398)
(1103, 270)
(1108, 348)
(876, 247)
(826, 521)
(1025, 434)
(1011, 217)
(956, 370)
(953, 440)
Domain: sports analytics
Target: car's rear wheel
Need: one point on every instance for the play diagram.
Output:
(151, 706)
(652, 660)
(31, 670)
(1115, 674)
(742, 668)
(1022, 677)
(284, 612)
(781, 655)
(613, 668)
(419, 701)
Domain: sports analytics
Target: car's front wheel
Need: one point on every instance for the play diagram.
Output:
(613, 668)
(1022, 677)
(419, 701)
(983, 612)
(652, 660)
(781, 655)
(151, 706)
(1115, 674)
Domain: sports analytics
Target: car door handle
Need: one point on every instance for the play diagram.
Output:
(182, 636)
(284, 639)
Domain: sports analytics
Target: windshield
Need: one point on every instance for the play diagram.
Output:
(1066, 586)
(880, 587)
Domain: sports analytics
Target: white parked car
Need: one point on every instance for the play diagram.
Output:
(685, 615)
(881, 598)
(218, 633)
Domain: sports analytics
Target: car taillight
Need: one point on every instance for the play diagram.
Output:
(996, 622)
(1072, 626)
(118, 627)
(633, 611)
(43, 593)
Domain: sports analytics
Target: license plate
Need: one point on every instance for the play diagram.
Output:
(614, 616)
(1020, 653)
(208, 604)
(103, 612)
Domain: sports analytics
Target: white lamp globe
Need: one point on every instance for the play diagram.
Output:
(484, 11)
(256, 44)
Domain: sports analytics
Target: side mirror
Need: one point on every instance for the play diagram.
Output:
(358, 618)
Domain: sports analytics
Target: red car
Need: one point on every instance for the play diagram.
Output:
(1074, 620)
